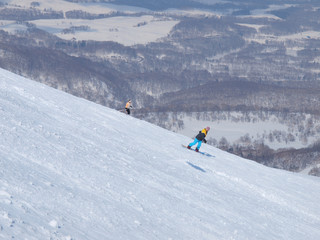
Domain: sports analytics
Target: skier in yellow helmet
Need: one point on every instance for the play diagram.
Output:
(200, 138)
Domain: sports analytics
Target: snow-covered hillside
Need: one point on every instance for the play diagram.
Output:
(141, 26)
(72, 169)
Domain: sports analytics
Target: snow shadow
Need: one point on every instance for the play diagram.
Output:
(196, 167)
(206, 154)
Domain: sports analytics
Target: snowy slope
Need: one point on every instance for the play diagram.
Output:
(71, 169)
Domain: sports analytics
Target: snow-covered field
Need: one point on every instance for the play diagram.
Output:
(296, 130)
(72, 169)
(233, 131)
(263, 38)
(125, 30)
(272, 7)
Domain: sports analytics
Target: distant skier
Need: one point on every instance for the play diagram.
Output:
(128, 106)
(200, 138)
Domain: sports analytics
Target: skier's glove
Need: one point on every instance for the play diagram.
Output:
(204, 140)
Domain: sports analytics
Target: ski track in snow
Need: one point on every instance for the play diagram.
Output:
(72, 169)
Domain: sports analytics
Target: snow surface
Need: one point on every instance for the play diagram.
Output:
(232, 126)
(124, 30)
(233, 131)
(72, 169)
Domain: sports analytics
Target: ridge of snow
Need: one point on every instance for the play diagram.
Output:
(72, 169)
